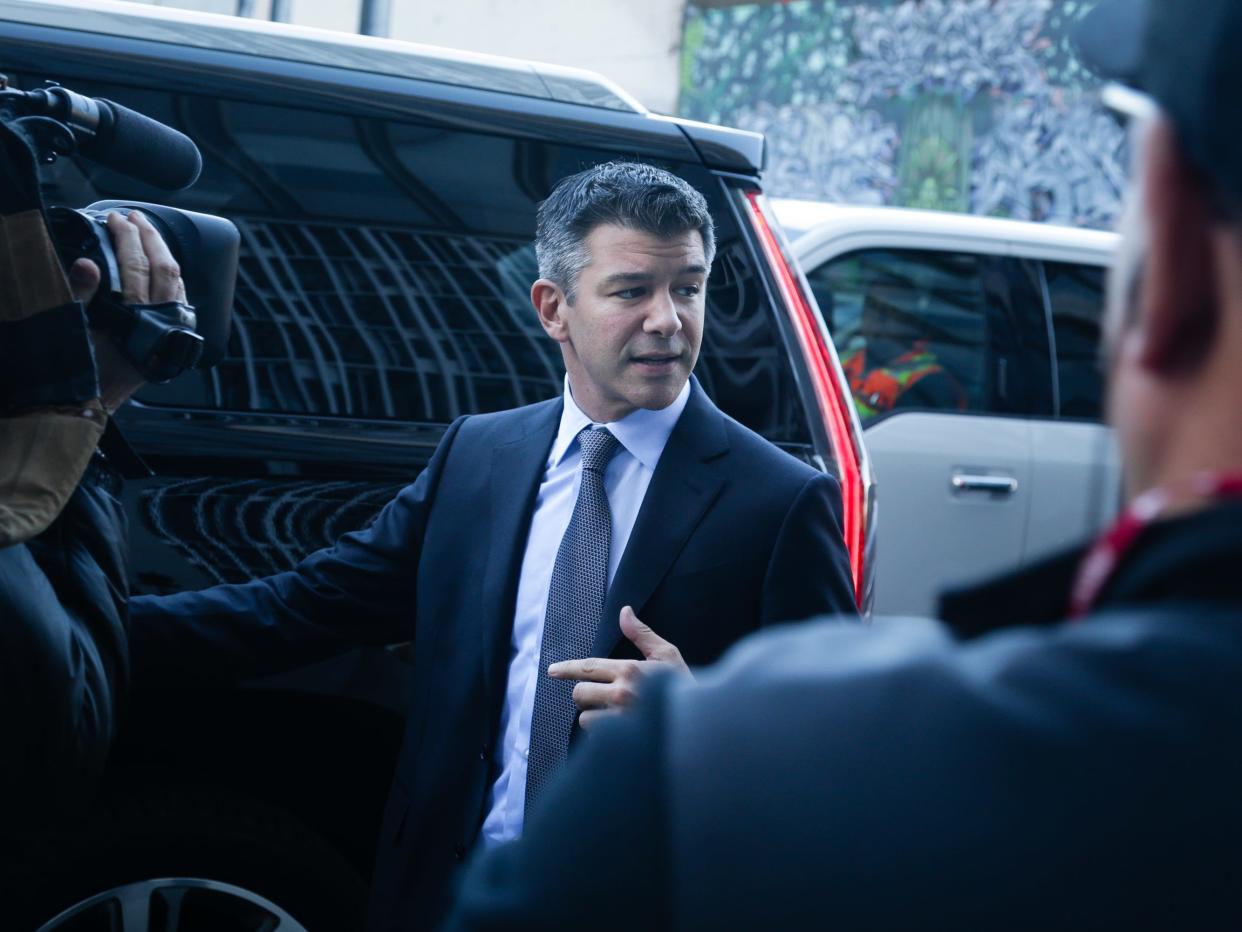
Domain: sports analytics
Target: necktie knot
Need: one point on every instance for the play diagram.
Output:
(598, 447)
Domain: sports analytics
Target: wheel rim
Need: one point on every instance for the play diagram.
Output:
(174, 903)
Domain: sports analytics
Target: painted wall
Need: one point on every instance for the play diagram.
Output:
(968, 105)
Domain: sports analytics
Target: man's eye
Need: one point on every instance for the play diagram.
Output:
(689, 291)
(629, 293)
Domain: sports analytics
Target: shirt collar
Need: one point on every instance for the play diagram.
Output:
(643, 433)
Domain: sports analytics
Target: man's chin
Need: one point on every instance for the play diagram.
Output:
(657, 397)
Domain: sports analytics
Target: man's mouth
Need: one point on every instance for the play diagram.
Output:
(657, 361)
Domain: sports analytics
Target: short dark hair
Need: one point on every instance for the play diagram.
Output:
(628, 194)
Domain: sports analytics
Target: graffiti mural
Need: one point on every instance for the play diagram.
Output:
(967, 105)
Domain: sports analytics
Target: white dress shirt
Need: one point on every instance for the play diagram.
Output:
(643, 435)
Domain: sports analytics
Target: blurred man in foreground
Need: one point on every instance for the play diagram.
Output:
(1067, 751)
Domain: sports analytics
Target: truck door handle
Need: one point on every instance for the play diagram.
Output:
(970, 482)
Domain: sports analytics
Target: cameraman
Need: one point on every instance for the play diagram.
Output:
(63, 566)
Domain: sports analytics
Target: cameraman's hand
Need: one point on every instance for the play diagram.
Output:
(84, 280)
(149, 275)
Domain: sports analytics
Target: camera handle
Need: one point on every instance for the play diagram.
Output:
(158, 340)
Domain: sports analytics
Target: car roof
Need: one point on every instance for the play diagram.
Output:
(323, 46)
(39, 24)
(820, 231)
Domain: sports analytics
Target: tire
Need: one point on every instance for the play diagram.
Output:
(227, 862)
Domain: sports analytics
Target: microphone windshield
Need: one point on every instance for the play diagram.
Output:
(142, 148)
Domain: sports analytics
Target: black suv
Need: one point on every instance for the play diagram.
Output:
(386, 199)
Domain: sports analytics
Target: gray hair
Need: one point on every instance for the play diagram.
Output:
(627, 194)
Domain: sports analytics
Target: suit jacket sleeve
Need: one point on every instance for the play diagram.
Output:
(595, 854)
(360, 591)
(809, 571)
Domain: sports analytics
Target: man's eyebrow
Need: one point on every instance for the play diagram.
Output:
(620, 278)
(623, 278)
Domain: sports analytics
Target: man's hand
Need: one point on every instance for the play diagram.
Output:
(607, 686)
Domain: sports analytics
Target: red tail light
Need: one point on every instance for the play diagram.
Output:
(835, 403)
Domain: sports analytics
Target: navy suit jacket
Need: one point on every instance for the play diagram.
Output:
(733, 534)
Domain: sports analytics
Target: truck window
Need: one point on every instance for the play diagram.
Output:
(936, 331)
(1076, 301)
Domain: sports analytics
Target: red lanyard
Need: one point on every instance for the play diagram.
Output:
(1098, 567)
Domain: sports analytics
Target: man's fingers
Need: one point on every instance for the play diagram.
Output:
(618, 694)
(653, 646)
(134, 266)
(84, 280)
(164, 273)
(592, 669)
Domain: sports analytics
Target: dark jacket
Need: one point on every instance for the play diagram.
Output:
(440, 566)
(1021, 773)
(63, 653)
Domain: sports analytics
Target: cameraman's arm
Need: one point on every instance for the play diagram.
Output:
(62, 569)
(50, 415)
(57, 380)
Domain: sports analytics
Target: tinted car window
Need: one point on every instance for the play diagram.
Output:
(386, 269)
(939, 331)
(1076, 300)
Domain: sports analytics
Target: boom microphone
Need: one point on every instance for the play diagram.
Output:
(120, 139)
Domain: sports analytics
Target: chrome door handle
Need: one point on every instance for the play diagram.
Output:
(968, 482)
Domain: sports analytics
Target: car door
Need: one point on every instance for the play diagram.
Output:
(948, 358)
(1076, 467)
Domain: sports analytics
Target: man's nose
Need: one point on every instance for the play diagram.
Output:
(662, 316)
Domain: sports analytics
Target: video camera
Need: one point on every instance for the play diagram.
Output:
(160, 340)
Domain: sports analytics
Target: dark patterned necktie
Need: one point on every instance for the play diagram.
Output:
(575, 606)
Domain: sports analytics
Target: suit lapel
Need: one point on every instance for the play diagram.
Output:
(516, 470)
(684, 486)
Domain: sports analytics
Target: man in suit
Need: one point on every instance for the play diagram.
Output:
(1066, 750)
(530, 531)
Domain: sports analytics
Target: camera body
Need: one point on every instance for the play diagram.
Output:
(169, 338)
(160, 340)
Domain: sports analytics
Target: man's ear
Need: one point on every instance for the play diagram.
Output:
(549, 302)
(1179, 299)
